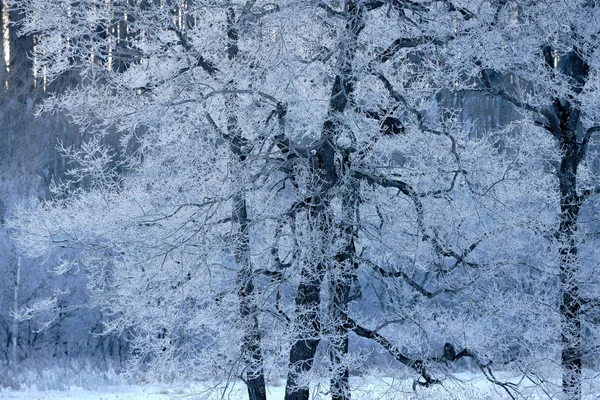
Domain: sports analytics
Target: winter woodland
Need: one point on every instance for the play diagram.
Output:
(304, 192)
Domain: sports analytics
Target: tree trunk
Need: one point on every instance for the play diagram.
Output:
(572, 153)
(308, 296)
(569, 263)
(15, 327)
(302, 353)
(252, 353)
(341, 283)
(340, 379)
(251, 346)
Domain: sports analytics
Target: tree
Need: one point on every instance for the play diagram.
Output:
(547, 51)
(99, 170)
(244, 222)
(347, 159)
(28, 160)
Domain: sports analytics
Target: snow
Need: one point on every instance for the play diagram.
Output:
(111, 393)
(465, 386)
(460, 386)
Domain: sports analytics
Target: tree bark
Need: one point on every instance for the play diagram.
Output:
(302, 352)
(568, 259)
(562, 120)
(251, 342)
(15, 327)
(572, 153)
(569, 311)
(340, 379)
(308, 297)
(251, 346)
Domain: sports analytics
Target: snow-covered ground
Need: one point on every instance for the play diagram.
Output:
(383, 388)
(374, 390)
(461, 386)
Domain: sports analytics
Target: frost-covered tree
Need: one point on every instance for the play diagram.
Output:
(285, 178)
(542, 58)
(28, 160)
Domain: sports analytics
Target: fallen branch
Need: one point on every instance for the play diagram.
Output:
(449, 355)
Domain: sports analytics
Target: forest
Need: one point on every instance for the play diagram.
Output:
(301, 197)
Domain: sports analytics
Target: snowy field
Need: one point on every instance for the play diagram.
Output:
(461, 386)
(375, 390)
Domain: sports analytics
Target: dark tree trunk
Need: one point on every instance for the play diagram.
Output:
(572, 152)
(341, 284)
(252, 354)
(251, 346)
(340, 293)
(308, 297)
(302, 353)
(568, 259)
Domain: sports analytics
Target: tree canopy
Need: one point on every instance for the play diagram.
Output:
(290, 183)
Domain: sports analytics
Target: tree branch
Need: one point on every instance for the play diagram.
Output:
(205, 64)
(417, 365)
(422, 126)
(403, 43)
(330, 11)
(449, 355)
(552, 126)
(584, 142)
(407, 279)
(463, 11)
(587, 193)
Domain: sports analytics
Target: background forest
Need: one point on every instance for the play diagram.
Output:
(303, 192)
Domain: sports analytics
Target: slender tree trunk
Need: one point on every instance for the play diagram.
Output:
(15, 327)
(252, 353)
(341, 284)
(253, 358)
(6, 48)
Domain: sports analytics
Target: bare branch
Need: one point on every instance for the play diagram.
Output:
(421, 120)
(407, 279)
(403, 43)
(417, 365)
(584, 142)
(552, 124)
(330, 11)
(449, 355)
(205, 64)
(463, 11)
